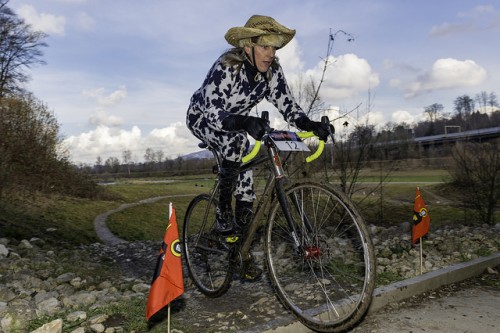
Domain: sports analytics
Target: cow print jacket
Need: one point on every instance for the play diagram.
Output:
(227, 91)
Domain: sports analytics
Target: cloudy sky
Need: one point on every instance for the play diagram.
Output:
(120, 73)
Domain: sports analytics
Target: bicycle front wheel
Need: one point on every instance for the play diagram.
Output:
(206, 253)
(322, 267)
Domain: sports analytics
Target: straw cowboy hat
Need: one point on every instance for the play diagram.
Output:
(267, 31)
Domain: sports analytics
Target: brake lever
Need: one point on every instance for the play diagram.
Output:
(332, 135)
(331, 128)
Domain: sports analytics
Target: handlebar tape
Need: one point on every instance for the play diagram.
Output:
(318, 152)
(302, 135)
(253, 152)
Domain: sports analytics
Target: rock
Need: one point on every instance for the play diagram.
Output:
(385, 252)
(98, 328)
(4, 251)
(76, 316)
(6, 294)
(141, 288)
(66, 277)
(99, 319)
(373, 229)
(78, 330)
(49, 306)
(77, 282)
(25, 244)
(54, 326)
(491, 271)
(105, 285)
(9, 323)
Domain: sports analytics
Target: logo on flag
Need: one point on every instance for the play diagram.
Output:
(421, 218)
(168, 282)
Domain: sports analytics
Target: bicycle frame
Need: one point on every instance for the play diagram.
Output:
(275, 180)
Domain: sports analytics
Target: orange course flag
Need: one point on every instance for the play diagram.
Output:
(421, 218)
(168, 282)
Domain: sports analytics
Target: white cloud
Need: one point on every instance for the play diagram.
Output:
(451, 29)
(290, 58)
(105, 142)
(110, 99)
(101, 117)
(445, 74)
(479, 11)
(479, 19)
(401, 116)
(48, 23)
(346, 76)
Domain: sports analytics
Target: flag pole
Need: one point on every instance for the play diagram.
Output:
(421, 256)
(168, 311)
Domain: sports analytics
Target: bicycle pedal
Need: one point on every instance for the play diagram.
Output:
(232, 239)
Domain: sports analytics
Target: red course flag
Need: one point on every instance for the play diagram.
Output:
(168, 282)
(421, 218)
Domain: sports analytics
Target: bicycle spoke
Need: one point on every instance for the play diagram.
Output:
(206, 253)
(328, 282)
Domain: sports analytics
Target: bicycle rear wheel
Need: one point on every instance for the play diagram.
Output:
(328, 279)
(206, 252)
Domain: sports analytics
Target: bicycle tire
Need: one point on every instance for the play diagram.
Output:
(327, 281)
(206, 253)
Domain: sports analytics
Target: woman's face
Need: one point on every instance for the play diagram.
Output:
(264, 56)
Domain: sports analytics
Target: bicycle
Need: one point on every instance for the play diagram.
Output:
(318, 250)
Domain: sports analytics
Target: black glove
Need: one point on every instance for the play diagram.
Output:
(320, 129)
(255, 126)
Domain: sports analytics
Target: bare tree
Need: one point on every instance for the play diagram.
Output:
(326, 62)
(150, 158)
(159, 157)
(464, 106)
(20, 48)
(112, 165)
(476, 175)
(492, 100)
(98, 164)
(481, 99)
(127, 159)
(434, 111)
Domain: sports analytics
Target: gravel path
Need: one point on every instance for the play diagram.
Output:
(250, 305)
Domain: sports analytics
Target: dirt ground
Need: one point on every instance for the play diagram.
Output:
(469, 306)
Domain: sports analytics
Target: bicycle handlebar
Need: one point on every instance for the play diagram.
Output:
(318, 152)
(303, 135)
(255, 150)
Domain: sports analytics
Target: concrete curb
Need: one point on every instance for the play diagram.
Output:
(398, 291)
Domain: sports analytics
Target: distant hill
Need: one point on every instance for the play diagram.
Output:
(202, 154)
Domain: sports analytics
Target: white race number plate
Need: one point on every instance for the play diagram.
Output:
(288, 141)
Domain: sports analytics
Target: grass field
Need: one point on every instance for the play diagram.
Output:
(73, 218)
